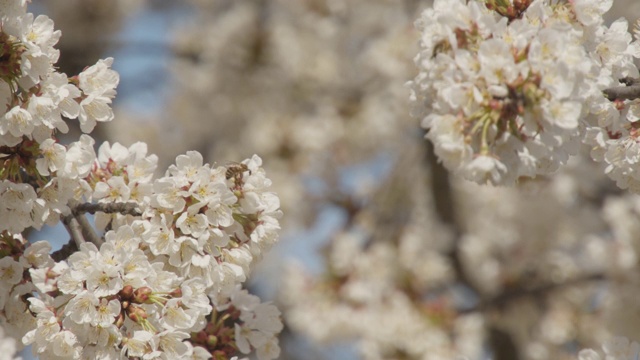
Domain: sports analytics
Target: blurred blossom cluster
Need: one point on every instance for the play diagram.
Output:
(617, 348)
(281, 79)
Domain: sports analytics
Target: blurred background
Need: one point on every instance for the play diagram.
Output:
(382, 254)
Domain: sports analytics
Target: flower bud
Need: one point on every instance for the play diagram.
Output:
(126, 292)
(212, 341)
(141, 295)
(136, 313)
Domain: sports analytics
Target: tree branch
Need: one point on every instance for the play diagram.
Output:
(65, 251)
(81, 230)
(509, 296)
(129, 208)
(88, 231)
(629, 91)
(74, 229)
(444, 207)
(501, 341)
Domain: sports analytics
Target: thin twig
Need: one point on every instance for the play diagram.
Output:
(74, 229)
(627, 80)
(509, 296)
(129, 208)
(81, 230)
(65, 251)
(88, 231)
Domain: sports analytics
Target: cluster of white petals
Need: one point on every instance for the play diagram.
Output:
(509, 90)
(166, 277)
(259, 324)
(206, 223)
(8, 347)
(34, 96)
(358, 292)
(616, 348)
(35, 102)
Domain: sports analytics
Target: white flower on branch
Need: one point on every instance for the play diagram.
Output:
(521, 88)
(172, 248)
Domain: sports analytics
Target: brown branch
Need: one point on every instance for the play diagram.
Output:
(502, 344)
(129, 208)
(81, 230)
(510, 296)
(629, 91)
(65, 251)
(88, 231)
(74, 229)
(444, 207)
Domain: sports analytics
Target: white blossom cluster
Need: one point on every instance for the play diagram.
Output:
(358, 293)
(258, 324)
(346, 309)
(206, 223)
(616, 348)
(130, 299)
(169, 268)
(547, 233)
(35, 97)
(8, 347)
(508, 90)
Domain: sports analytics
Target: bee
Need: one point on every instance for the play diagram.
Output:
(235, 170)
